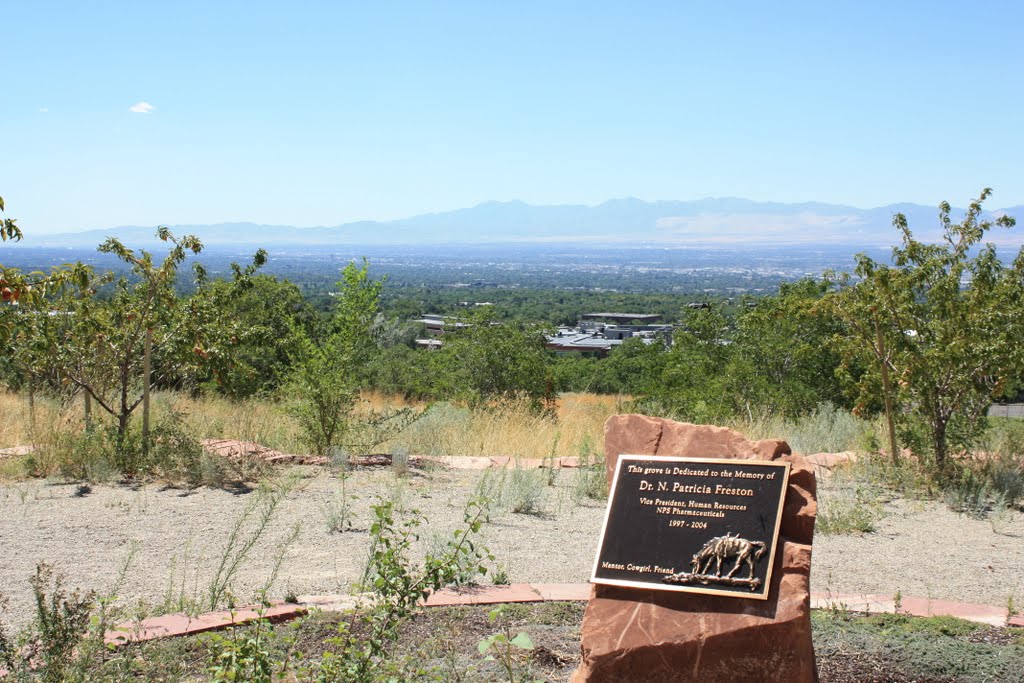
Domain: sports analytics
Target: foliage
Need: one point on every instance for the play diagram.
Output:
(263, 321)
(49, 649)
(489, 361)
(502, 646)
(770, 356)
(254, 653)
(945, 320)
(328, 378)
(360, 656)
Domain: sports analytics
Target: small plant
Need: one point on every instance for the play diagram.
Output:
(359, 654)
(499, 577)
(338, 509)
(551, 461)
(525, 491)
(241, 655)
(590, 481)
(850, 506)
(897, 602)
(503, 647)
(50, 647)
(248, 529)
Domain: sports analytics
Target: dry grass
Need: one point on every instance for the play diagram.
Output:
(445, 430)
(513, 431)
(16, 422)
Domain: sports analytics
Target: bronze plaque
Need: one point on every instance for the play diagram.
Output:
(701, 525)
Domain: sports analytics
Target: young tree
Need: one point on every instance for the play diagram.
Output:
(944, 322)
(328, 377)
(108, 346)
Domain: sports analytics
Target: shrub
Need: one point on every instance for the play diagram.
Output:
(525, 491)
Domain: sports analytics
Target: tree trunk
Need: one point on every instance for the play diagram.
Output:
(146, 376)
(887, 395)
(88, 411)
(32, 407)
(939, 443)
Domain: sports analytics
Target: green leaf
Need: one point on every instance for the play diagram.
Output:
(522, 641)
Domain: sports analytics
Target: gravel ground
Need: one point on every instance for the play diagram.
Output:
(176, 538)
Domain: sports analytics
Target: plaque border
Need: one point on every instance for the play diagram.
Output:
(763, 595)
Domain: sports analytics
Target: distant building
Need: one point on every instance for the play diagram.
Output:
(598, 338)
(623, 318)
(429, 344)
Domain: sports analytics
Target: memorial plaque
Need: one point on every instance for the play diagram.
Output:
(692, 524)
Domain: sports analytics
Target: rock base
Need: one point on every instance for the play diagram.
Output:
(631, 635)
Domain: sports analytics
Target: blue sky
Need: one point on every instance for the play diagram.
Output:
(321, 113)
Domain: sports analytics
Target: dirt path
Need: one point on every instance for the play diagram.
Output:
(176, 540)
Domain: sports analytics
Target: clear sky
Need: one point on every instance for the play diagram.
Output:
(308, 113)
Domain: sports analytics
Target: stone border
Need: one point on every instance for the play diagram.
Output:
(173, 625)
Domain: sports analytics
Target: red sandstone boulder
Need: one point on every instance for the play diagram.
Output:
(650, 636)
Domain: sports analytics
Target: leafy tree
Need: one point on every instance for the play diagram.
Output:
(262, 321)
(628, 369)
(944, 321)
(489, 361)
(104, 347)
(694, 383)
(781, 361)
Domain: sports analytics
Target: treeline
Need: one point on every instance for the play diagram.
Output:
(929, 341)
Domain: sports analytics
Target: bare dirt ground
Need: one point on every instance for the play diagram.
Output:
(176, 538)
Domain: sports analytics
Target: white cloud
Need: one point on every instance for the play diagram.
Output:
(141, 108)
(43, 110)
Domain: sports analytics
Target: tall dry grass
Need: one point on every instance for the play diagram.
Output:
(445, 429)
(22, 424)
(576, 429)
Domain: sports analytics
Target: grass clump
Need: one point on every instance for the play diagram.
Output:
(525, 491)
(848, 508)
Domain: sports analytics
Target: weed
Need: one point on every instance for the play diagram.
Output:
(525, 492)
(247, 530)
(848, 510)
(502, 647)
(399, 586)
(590, 482)
(499, 576)
(49, 647)
(338, 508)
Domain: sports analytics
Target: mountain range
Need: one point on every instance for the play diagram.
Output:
(703, 222)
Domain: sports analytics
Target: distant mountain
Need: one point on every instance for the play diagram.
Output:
(722, 221)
